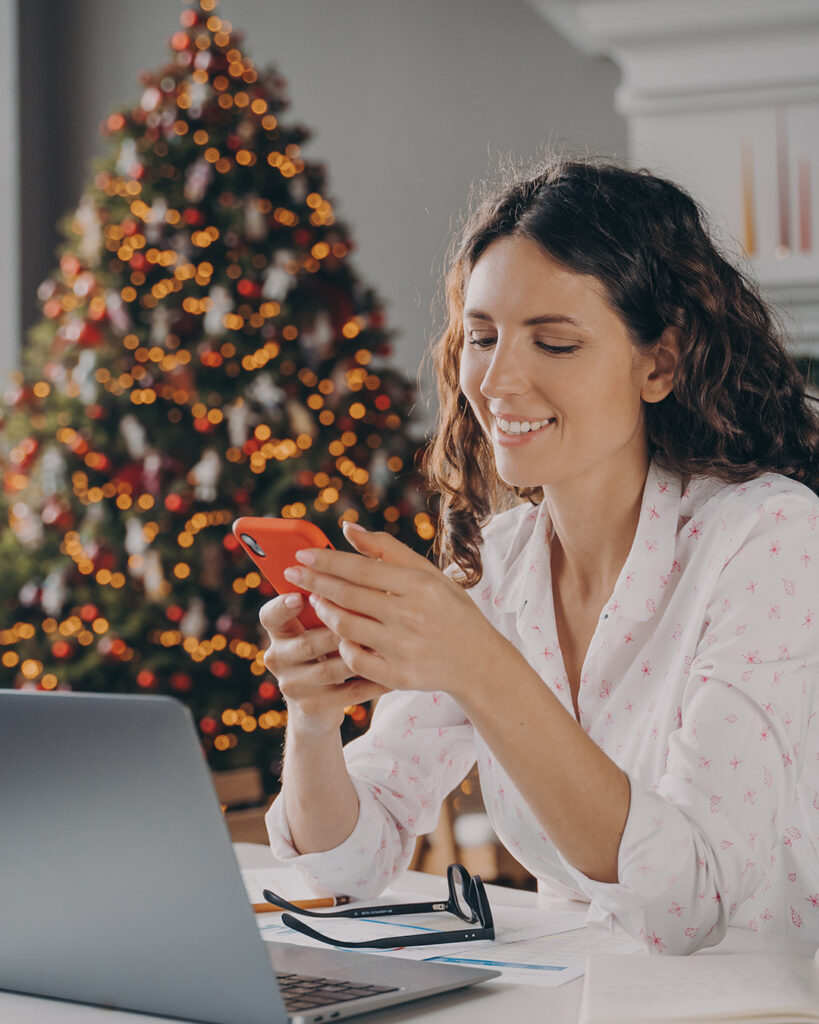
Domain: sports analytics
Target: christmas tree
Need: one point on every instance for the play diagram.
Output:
(206, 351)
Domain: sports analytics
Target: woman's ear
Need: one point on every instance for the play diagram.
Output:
(659, 366)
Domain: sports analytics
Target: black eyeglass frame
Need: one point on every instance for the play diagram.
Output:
(474, 895)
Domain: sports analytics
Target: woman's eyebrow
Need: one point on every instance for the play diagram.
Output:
(532, 321)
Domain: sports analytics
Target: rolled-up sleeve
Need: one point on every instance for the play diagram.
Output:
(419, 747)
(699, 844)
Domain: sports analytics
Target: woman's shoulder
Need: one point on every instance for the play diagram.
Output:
(770, 497)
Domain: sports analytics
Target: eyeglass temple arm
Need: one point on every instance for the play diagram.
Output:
(434, 938)
(395, 908)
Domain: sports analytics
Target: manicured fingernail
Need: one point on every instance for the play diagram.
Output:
(293, 574)
(292, 601)
(354, 527)
(313, 599)
(306, 557)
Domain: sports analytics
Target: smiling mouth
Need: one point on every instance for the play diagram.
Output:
(515, 427)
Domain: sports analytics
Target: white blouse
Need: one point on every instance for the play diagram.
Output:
(700, 682)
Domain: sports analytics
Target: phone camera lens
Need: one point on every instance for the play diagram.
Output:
(254, 546)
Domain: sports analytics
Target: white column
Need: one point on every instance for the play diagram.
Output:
(723, 97)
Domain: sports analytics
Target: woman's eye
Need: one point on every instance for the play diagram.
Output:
(480, 340)
(546, 347)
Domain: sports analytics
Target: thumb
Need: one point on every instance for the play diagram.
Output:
(383, 546)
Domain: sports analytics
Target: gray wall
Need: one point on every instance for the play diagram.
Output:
(409, 100)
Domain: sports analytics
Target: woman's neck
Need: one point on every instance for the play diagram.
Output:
(595, 519)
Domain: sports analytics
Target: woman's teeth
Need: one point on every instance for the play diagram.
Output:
(521, 426)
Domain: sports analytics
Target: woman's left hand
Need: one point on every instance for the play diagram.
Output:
(400, 620)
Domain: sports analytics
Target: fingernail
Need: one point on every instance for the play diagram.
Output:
(313, 600)
(292, 573)
(353, 526)
(292, 601)
(306, 557)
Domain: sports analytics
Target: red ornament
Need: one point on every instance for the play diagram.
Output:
(192, 217)
(220, 669)
(89, 612)
(208, 725)
(249, 289)
(175, 613)
(268, 691)
(203, 425)
(181, 682)
(174, 503)
(146, 679)
(61, 649)
(180, 41)
(138, 261)
(230, 543)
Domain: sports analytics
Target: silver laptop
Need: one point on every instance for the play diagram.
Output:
(119, 887)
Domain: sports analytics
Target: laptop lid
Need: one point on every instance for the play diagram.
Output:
(118, 882)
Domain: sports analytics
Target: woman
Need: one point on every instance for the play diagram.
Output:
(625, 633)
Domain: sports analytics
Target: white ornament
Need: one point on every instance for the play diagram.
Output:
(197, 179)
(52, 471)
(152, 576)
(255, 220)
(27, 526)
(83, 374)
(194, 622)
(134, 434)
(238, 421)
(221, 303)
(160, 325)
(127, 157)
(54, 593)
(87, 219)
(277, 280)
(150, 98)
(118, 315)
(135, 542)
(155, 223)
(205, 476)
(318, 338)
(266, 393)
(301, 421)
(298, 188)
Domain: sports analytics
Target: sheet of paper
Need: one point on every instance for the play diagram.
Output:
(548, 961)
(709, 986)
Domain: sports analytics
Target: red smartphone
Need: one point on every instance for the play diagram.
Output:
(272, 544)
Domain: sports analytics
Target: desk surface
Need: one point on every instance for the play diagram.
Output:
(491, 1001)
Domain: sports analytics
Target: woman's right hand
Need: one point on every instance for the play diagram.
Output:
(315, 683)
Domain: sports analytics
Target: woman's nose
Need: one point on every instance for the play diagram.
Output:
(506, 374)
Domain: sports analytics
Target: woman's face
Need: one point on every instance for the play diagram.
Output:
(549, 369)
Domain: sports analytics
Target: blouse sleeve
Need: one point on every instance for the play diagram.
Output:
(699, 844)
(418, 748)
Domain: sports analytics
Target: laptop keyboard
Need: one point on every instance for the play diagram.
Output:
(302, 992)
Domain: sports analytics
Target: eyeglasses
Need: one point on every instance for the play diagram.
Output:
(467, 900)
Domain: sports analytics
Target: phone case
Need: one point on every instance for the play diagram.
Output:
(272, 544)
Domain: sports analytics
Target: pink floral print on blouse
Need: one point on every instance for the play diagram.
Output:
(700, 682)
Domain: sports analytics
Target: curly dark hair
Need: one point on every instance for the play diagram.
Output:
(738, 407)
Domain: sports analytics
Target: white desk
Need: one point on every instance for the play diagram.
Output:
(488, 1002)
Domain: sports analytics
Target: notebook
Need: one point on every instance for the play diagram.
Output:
(766, 988)
(119, 886)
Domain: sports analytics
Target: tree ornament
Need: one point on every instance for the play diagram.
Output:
(205, 475)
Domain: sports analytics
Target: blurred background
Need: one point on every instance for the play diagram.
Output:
(408, 105)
